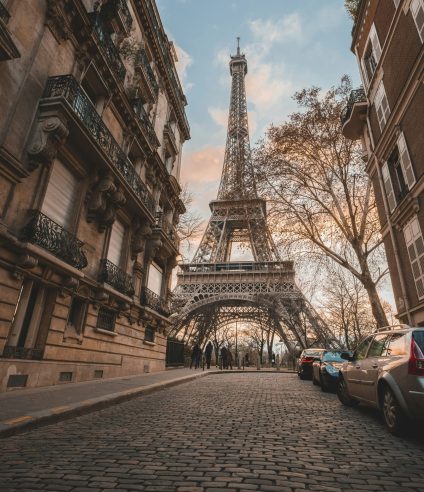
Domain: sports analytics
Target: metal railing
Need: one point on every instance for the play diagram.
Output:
(10, 352)
(154, 301)
(125, 14)
(67, 87)
(4, 14)
(166, 227)
(44, 232)
(142, 61)
(111, 51)
(141, 114)
(268, 266)
(106, 319)
(356, 96)
(117, 278)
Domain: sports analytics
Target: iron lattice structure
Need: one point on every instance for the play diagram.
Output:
(212, 290)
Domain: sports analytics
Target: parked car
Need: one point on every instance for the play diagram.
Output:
(326, 369)
(304, 363)
(387, 371)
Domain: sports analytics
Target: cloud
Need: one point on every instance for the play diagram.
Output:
(182, 65)
(271, 31)
(202, 166)
(219, 116)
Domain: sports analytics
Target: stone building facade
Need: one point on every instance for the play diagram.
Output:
(387, 114)
(91, 130)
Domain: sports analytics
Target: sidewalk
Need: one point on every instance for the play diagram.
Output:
(24, 409)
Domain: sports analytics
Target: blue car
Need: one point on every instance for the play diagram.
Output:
(326, 369)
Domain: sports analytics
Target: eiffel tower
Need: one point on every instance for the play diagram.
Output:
(212, 291)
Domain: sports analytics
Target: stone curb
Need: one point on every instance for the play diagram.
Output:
(57, 414)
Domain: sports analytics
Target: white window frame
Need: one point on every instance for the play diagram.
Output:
(388, 187)
(117, 242)
(405, 161)
(381, 106)
(153, 279)
(376, 50)
(396, 2)
(415, 7)
(415, 246)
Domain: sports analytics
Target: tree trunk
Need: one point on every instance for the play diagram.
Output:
(376, 306)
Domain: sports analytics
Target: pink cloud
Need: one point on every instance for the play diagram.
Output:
(202, 166)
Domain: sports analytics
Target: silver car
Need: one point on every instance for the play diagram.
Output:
(387, 371)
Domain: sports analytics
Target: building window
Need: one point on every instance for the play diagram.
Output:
(149, 334)
(388, 187)
(154, 280)
(116, 242)
(76, 316)
(396, 2)
(106, 319)
(415, 245)
(417, 9)
(381, 106)
(400, 162)
(59, 200)
(372, 55)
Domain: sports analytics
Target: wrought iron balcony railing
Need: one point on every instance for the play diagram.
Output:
(125, 14)
(145, 122)
(111, 51)
(67, 87)
(356, 96)
(10, 352)
(166, 227)
(142, 61)
(155, 302)
(49, 235)
(115, 277)
(4, 14)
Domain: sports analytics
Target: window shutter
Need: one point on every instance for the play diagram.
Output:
(376, 48)
(415, 246)
(388, 187)
(405, 161)
(381, 106)
(417, 9)
(154, 280)
(59, 200)
(396, 3)
(116, 242)
(364, 73)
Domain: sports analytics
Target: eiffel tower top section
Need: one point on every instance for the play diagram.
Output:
(237, 180)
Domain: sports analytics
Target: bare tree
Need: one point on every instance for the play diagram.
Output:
(191, 223)
(256, 337)
(322, 199)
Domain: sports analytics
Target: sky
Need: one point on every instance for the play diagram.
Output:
(289, 44)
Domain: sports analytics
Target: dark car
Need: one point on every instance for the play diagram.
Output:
(326, 370)
(304, 363)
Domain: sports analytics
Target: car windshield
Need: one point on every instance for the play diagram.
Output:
(312, 353)
(419, 339)
(332, 357)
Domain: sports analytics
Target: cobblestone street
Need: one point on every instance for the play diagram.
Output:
(268, 432)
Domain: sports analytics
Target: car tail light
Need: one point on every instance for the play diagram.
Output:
(416, 359)
(307, 359)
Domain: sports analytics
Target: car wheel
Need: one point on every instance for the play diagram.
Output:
(323, 384)
(394, 418)
(344, 395)
(302, 376)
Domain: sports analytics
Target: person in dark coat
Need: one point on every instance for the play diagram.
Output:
(208, 354)
(195, 356)
(224, 358)
(229, 359)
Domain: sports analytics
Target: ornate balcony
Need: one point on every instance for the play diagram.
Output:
(167, 229)
(354, 114)
(49, 235)
(66, 87)
(142, 62)
(145, 123)
(155, 302)
(117, 10)
(8, 49)
(116, 277)
(169, 135)
(111, 51)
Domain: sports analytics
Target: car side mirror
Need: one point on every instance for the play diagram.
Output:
(346, 356)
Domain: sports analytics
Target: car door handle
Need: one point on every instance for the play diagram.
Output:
(358, 366)
(374, 366)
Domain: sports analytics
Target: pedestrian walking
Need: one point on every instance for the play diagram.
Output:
(208, 354)
(224, 358)
(229, 359)
(195, 356)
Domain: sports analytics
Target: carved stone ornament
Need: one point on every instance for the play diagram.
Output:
(141, 233)
(153, 246)
(27, 261)
(104, 200)
(56, 20)
(48, 136)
